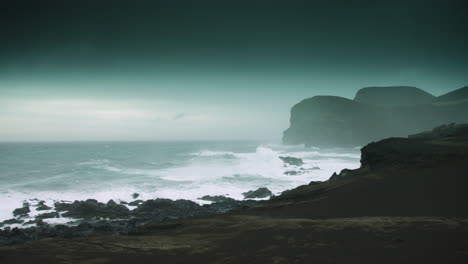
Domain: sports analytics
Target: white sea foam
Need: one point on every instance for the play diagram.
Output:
(198, 173)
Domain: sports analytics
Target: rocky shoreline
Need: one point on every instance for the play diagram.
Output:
(93, 217)
(405, 204)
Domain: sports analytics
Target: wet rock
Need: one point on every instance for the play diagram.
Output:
(24, 211)
(37, 221)
(147, 213)
(292, 173)
(135, 203)
(135, 195)
(111, 203)
(292, 161)
(12, 221)
(216, 198)
(48, 215)
(41, 206)
(93, 209)
(259, 193)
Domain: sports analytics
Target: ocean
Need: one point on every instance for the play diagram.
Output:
(30, 172)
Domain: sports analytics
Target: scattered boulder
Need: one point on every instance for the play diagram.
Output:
(216, 198)
(121, 220)
(292, 161)
(23, 211)
(93, 209)
(12, 221)
(41, 206)
(37, 221)
(48, 215)
(259, 193)
(135, 195)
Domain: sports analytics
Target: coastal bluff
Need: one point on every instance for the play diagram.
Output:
(374, 114)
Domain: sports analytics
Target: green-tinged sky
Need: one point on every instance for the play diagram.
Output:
(185, 70)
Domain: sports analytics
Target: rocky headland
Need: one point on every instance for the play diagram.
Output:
(374, 114)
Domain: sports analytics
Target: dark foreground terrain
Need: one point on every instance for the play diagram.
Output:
(407, 204)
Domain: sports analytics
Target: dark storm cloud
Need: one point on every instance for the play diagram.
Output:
(261, 32)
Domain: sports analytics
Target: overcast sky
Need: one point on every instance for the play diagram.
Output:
(184, 70)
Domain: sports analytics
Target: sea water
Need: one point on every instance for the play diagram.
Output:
(175, 170)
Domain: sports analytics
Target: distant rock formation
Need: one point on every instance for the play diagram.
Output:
(393, 96)
(457, 96)
(374, 114)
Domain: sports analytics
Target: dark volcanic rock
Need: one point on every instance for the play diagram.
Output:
(343, 173)
(259, 193)
(147, 213)
(292, 161)
(37, 221)
(216, 198)
(13, 221)
(135, 195)
(416, 176)
(41, 206)
(135, 203)
(48, 215)
(93, 209)
(22, 211)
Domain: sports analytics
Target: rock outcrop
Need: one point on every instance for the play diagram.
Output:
(259, 193)
(419, 175)
(375, 114)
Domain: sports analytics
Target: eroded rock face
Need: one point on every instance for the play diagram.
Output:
(259, 193)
